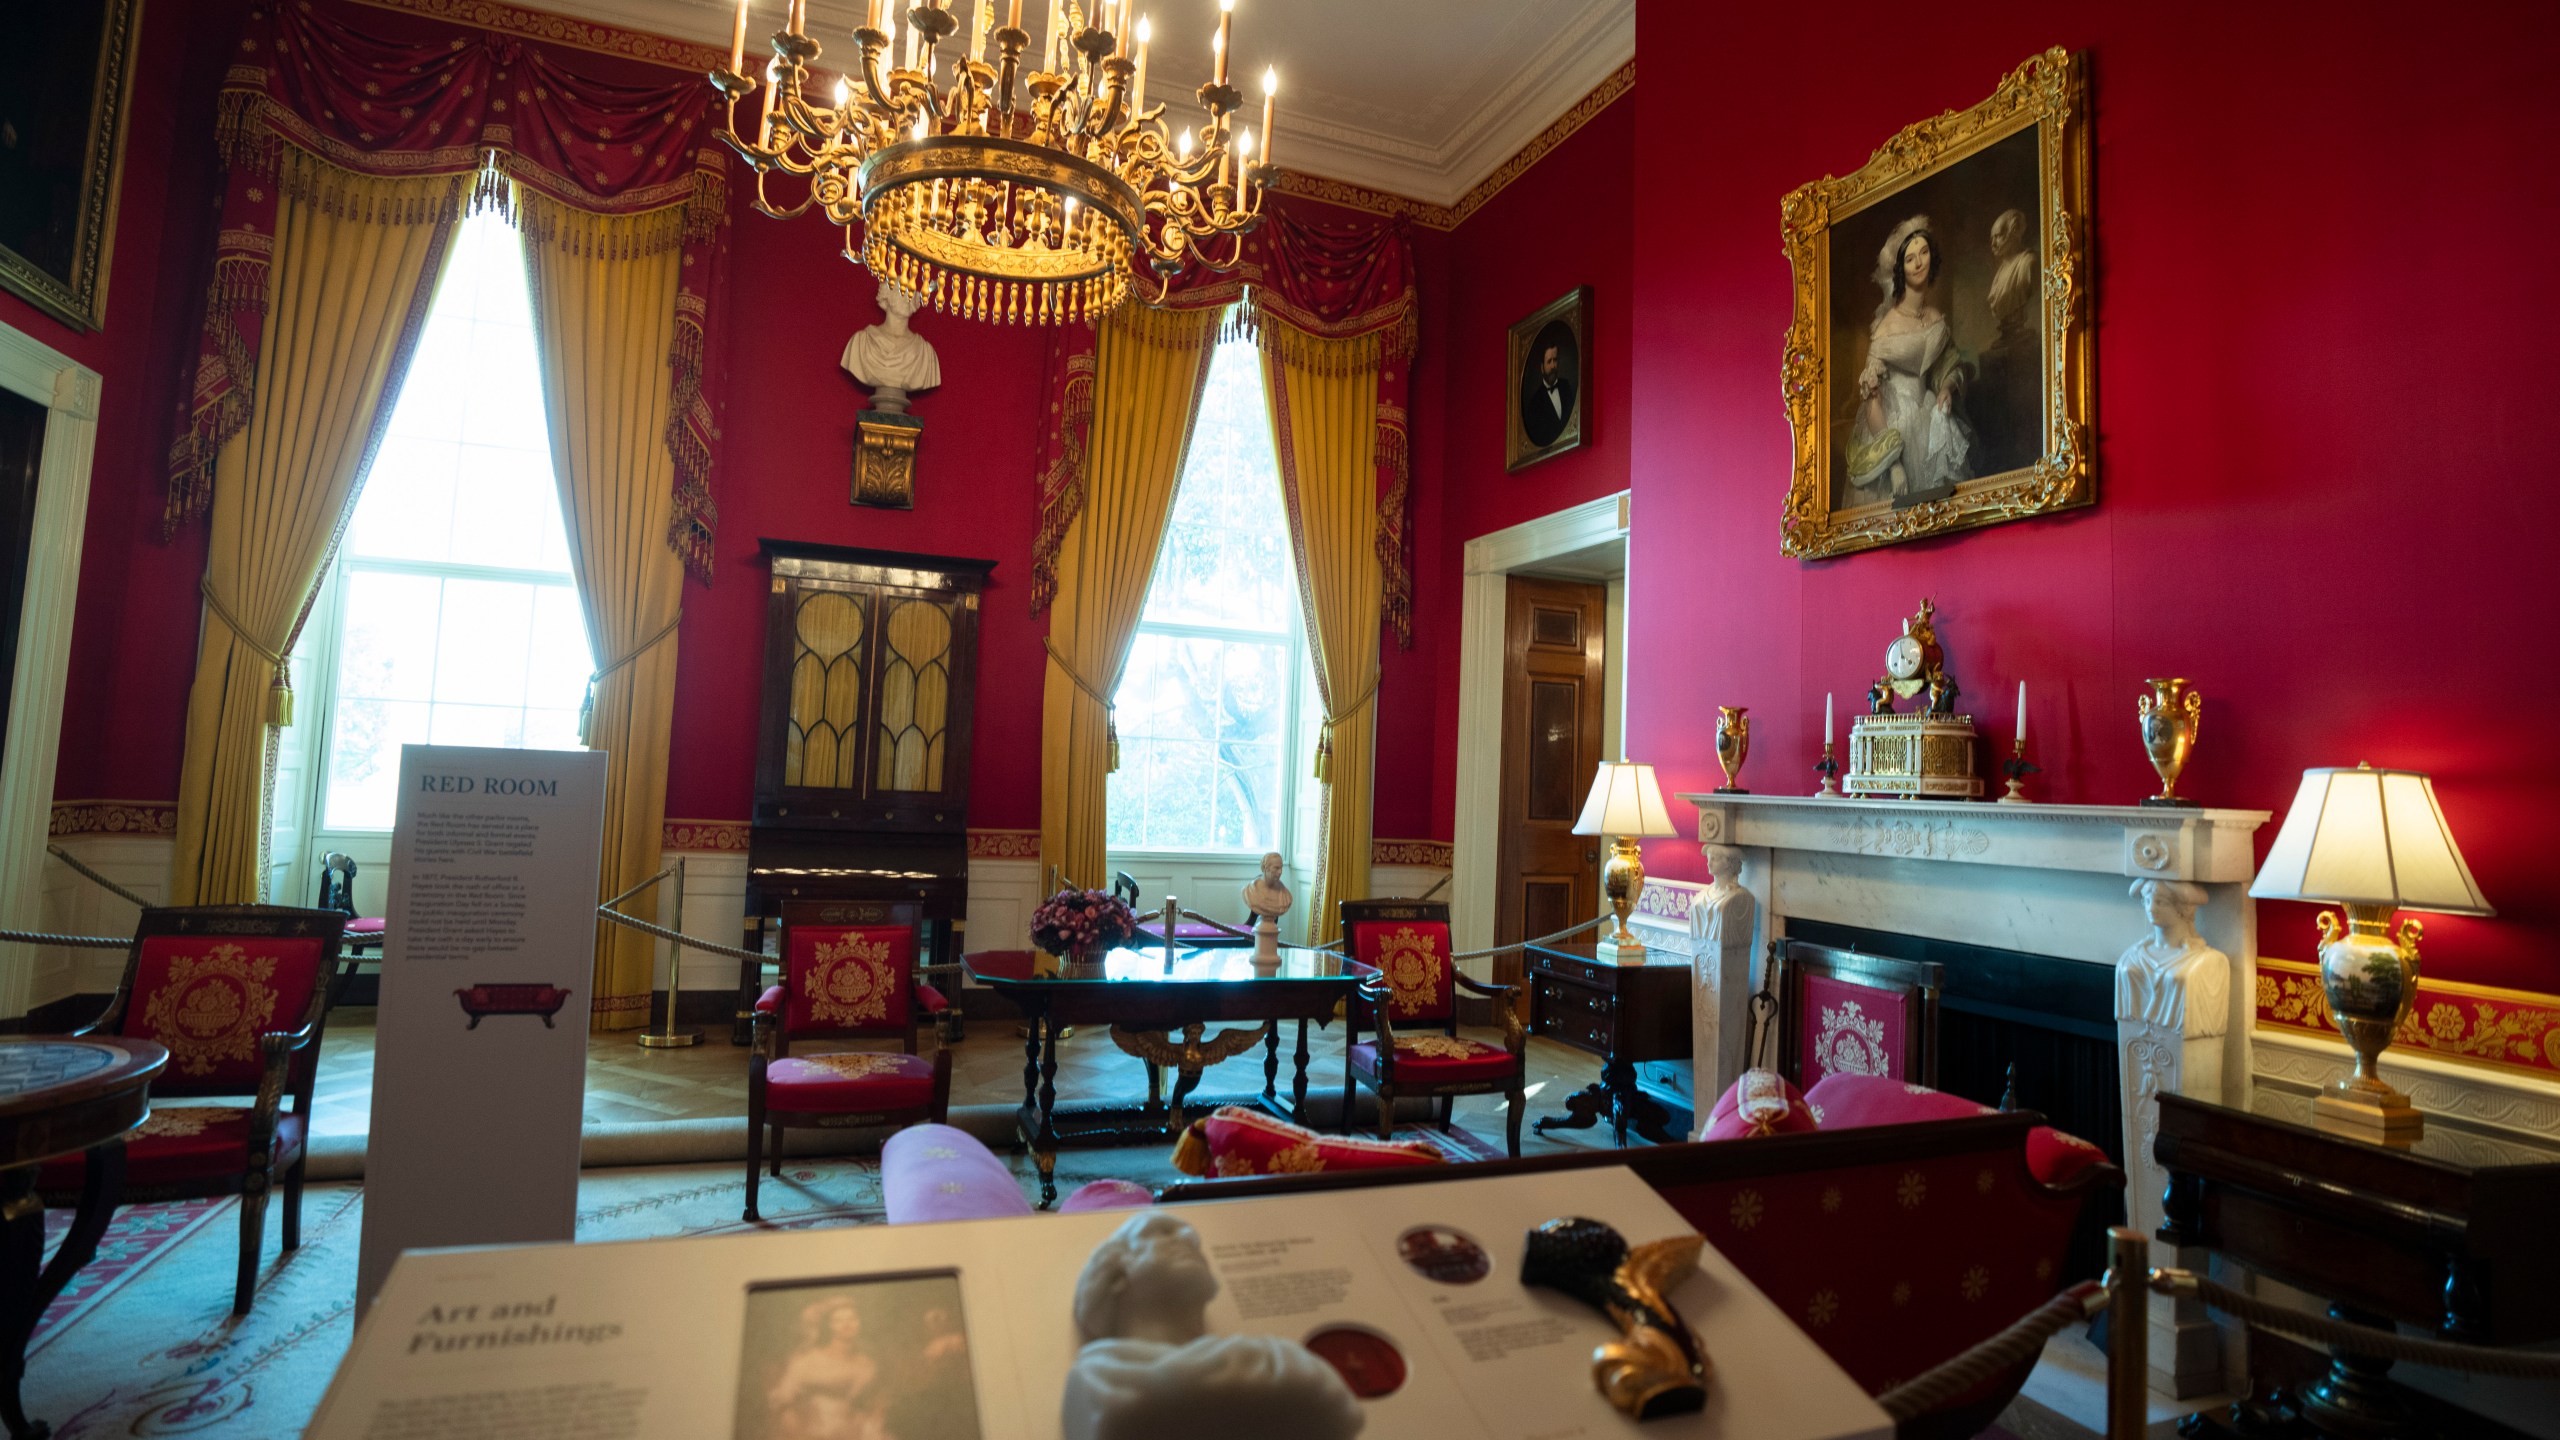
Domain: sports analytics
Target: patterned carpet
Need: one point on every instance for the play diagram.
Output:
(144, 1344)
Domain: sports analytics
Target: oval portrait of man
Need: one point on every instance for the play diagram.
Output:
(1549, 374)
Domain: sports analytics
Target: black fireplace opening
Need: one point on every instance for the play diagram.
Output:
(2051, 1019)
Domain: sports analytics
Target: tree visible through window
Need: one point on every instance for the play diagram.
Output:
(457, 621)
(1205, 705)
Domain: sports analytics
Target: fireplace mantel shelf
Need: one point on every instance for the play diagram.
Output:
(2175, 843)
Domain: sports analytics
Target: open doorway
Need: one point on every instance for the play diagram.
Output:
(1556, 561)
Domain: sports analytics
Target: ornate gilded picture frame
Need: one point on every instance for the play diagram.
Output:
(65, 71)
(1937, 374)
(1547, 381)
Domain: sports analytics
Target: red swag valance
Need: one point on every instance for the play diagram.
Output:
(1337, 282)
(322, 94)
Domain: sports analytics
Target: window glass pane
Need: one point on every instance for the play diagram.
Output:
(459, 624)
(1225, 559)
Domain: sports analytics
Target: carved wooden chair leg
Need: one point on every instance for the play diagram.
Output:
(1448, 1112)
(777, 1152)
(1511, 1121)
(1350, 1101)
(1386, 1112)
(253, 1239)
(755, 1163)
(292, 1217)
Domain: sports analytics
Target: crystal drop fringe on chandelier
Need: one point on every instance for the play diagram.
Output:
(988, 211)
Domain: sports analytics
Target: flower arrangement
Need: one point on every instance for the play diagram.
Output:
(1088, 921)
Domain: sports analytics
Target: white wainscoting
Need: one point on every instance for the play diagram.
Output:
(75, 906)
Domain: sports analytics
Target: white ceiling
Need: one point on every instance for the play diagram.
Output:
(1422, 98)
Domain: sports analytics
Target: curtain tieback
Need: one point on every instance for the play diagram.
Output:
(1110, 712)
(280, 689)
(587, 707)
(1324, 739)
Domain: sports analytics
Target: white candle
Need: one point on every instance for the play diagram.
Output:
(1138, 81)
(2022, 712)
(1218, 52)
(1270, 94)
(1013, 15)
(1826, 720)
(738, 43)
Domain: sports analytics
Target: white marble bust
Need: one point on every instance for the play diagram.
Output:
(889, 357)
(1149, 1368)
(2171, 978)
(1267, 896)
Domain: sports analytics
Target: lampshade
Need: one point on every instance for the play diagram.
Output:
(1624, 801)
(2369, 837)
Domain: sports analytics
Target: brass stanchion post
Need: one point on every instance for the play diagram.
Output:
(2128, 1331)
(672, 1038)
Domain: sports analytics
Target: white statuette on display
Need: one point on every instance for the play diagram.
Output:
(1266, 899)
(889, 357)
(1149, 1368)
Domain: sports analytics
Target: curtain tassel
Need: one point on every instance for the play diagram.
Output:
(1111, 733)
(1324, 756)
(280, 698)
(587, 710)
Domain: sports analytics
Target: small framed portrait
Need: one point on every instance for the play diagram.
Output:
(64, 68)
(863, 1356)
(1937, 373)
(1550, 376)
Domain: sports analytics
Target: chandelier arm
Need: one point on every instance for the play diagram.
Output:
(766, 207)
(872, 43)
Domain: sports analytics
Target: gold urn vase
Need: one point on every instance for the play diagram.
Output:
(2169, 714)
(1733, 746)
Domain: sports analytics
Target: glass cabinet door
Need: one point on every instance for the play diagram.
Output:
(917, 635)
(822, 732)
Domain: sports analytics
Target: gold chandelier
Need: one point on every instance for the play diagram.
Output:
(981, 208)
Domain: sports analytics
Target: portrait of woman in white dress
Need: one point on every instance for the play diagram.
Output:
(1909, 441)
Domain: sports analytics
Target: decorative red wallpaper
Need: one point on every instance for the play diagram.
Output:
(2469, 1024)
(2259, 421)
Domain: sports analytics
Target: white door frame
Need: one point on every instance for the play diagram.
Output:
(69, 392)
(1489, 562)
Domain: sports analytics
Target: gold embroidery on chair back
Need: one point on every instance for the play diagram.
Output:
(212, 1009)
(855, 1067)
(1412, 964)
(850, 981)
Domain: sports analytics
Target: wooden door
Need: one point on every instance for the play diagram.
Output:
(21, 451)
(1552, 663)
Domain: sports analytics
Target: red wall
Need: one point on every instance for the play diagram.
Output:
(2323, 415)
(1563, 223)
(135, 628)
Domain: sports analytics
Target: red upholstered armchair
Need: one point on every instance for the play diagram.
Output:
(1410, 996)
(848, 973)
(238, 994)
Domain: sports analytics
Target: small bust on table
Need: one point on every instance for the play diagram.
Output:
(889, 357)
(1150, 1369)
(1266, 899)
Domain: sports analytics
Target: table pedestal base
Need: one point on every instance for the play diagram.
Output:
(27, 1284)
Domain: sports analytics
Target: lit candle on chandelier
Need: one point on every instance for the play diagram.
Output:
(1138, 82)
(1218, 47)
(1270, 94)
(1013, 15)
(873, 11)
(889, 39)
(764, 126)
(738, 43)
(1244, 162)
(799, 17)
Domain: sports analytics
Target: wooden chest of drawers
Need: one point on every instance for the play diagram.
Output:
(1625, 1014)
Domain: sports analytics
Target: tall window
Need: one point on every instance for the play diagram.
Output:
(1206, 707)
(456, 620)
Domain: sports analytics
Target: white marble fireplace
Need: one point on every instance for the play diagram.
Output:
(2051, 880)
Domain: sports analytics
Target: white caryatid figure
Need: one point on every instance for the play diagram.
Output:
(1149, 1368)
(1266, 899)
(1721, 922)
(889, 357)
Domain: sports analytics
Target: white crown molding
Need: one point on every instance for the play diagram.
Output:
(1428, 147)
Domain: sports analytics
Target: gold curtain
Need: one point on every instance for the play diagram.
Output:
(1149, 365)
(604, 316)
(1323, 400)
(354, 266)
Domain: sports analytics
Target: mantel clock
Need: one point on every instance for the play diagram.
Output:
(1926, 752)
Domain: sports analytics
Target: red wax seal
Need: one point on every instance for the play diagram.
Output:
(1367, 1361)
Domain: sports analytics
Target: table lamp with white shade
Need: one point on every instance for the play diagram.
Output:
(1627, 805)
(2371, 841)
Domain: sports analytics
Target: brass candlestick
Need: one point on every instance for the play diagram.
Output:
(1827, 767)
(2169, 715)
(2017, 769)
(1733, 746)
